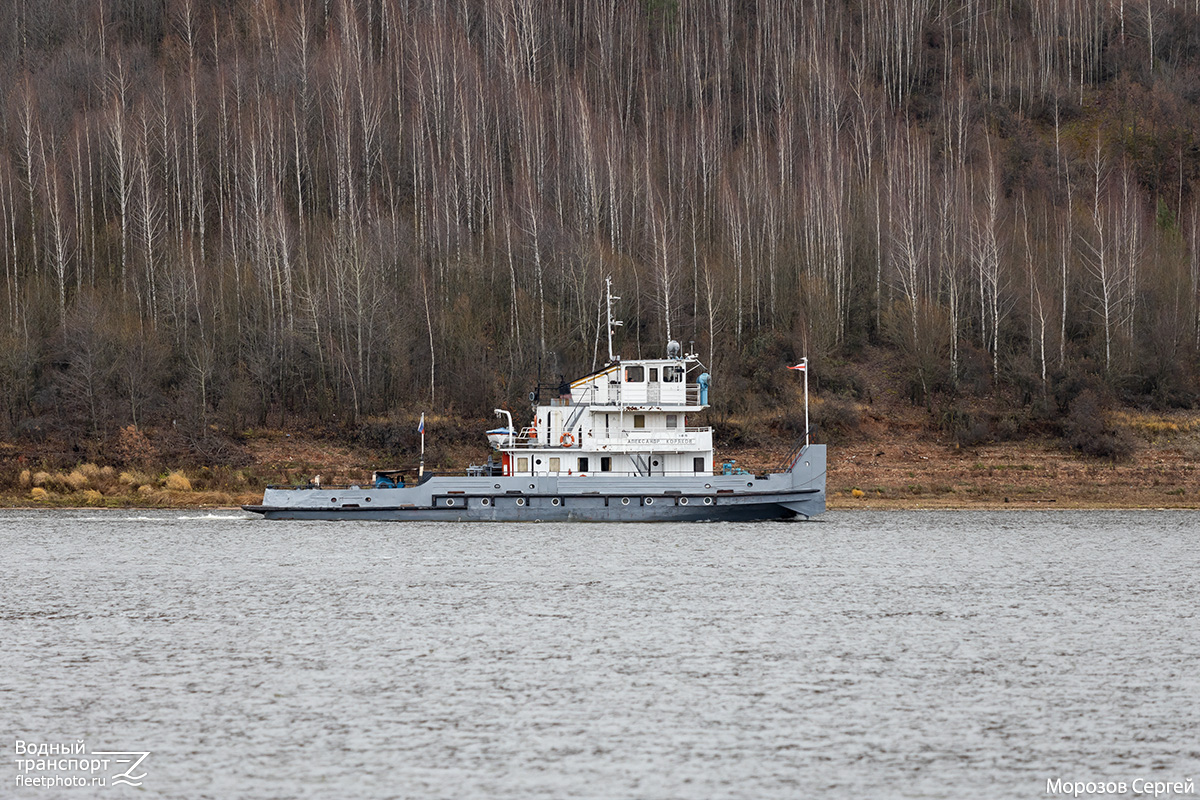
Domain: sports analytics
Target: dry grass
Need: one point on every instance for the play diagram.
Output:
(136, 478)
(1157, 426)
(178, 482)
(219, 499)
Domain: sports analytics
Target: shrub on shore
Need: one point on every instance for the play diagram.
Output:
(835, 414)
(178, 482)
(1087, 429)
(134, 478)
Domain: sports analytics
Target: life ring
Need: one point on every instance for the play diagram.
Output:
(567, 440)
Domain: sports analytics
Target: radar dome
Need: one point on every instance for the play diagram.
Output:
(673, 349)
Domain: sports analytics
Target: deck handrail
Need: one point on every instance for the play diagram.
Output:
(522, 441)
(561, 475)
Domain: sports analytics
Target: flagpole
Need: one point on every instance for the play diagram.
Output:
(421, 469)
(806, 401)
(803, 367)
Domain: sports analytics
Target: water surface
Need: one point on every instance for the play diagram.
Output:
(892, 654)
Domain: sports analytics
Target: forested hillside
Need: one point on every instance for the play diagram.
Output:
(216, 214)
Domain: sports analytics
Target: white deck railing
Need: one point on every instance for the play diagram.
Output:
(647, 438)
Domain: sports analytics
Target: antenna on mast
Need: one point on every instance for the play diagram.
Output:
(612, 323)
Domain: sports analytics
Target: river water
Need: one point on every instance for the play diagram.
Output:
(895, 654)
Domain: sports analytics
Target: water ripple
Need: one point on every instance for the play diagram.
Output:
(916, 654)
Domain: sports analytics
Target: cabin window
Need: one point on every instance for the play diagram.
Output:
(635, 374)
(672, 420)
(606, 463)
(698, 464)
(654, 374)
(639, 420)
(523, 464)
(583, 465)
(555, 463)
(672, 374)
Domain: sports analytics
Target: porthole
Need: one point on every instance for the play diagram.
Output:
(708, 486)
(520, 501)
(495, 486)
(656, 463)
(750, 483)
(555, 502)
(487, 501)
(531, 486)
(368, 499)
(449, 501)
(806, 463)
(649, 501)
(624, 501)
(333, 499)
(683, 501)
(708, 501)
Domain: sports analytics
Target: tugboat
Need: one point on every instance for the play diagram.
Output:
(613, 446)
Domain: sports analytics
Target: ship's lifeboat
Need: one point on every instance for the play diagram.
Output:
(498, 437)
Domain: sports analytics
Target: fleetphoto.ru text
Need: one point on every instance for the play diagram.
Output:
(72, 764)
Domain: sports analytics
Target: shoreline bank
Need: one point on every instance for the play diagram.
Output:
(904, 468)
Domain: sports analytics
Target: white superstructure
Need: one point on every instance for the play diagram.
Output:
(630, 418)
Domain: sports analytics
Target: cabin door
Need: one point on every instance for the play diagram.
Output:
(653, 387)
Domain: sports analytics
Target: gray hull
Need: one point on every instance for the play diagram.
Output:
(799, 491)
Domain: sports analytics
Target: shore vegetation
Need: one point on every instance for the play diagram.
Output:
(223, 222)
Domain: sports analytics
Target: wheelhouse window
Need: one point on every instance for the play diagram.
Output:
(555, 464)
(673, 374)
(639, 420)
(583, 464)
(522, 463)
(672, 420)
(635, 374)
(606, 463)
(698, 464)
(654, 374)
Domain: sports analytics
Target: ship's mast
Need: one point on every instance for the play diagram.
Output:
(612, 323)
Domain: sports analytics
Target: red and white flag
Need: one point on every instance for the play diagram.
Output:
(802, 366)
